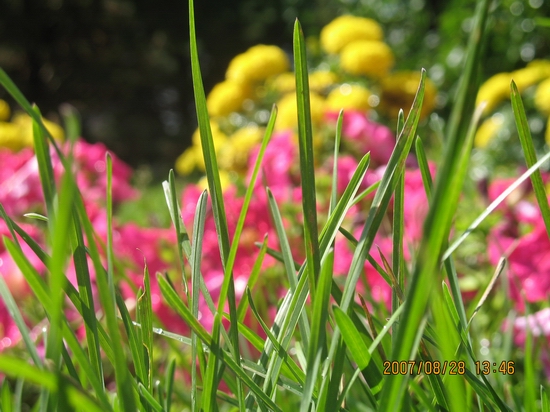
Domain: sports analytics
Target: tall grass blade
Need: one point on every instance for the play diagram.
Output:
(210, 380)
(317, 343)
(337, 140)
(307, 167)
(196, 254)
(529, 153)
(45, 169)
(145, 318)
(106, 287)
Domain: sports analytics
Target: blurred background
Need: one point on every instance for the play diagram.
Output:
(124, 64)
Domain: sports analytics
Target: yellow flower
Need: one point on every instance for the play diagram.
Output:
(530, 75)
(10, 136)
(234, 154)
(187, 161)
(346, 29)
(257, 64)
(227, 97)
(488, 130)
(399, 90)
(192, 157)
(367, 57)
(542, 97)
(348, 97)
(24, 121)
(287, 114)
(19, 133)
(318, 82)
(283, 83)
(494, 91)
(225, 181)
(321, 80)
(497, 88)
(4, 111)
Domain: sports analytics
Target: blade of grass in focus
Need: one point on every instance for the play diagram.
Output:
(196, 253)
(529, 153)
(106, 287)
(398, 232)
(213, 177)
(337, 140)
(317, 343)
(307, 167)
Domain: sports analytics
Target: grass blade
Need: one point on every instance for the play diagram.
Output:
(317, 343)
(307, 167)
(529, 153)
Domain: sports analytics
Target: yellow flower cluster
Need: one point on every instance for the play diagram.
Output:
(399, 89)
(231, 151)
(244, 73)
(261, 76)
(346, 29)
(358, 41)
(542, 103)
(349, 97)
(17, 133)
(496, 90)
(257, 64)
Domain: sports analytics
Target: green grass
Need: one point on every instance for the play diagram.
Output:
(327, 349)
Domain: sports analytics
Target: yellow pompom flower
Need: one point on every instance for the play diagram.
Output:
(348, 97)
(24, 121)
(283, 83)
(225, 181)
(257, 64)
(530, 75)
(399, 90)
(346, 29)
(367, 57)
(4, 111)
(19, 132)
(287, 114)
(494, 91)
(542, 97)
(187, 161)
(227, 97)
(488, 129)
(321, 80)
(234, 154)
(10, 136)
(192, 157)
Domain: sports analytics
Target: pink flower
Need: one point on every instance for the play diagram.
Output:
(90, 166)
(529, 262)
(415, 205)
(279, 165)
(364, 135)
(537, 323)
(20, 188)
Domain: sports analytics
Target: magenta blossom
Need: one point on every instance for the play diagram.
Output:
(364, 135)
(20, 188)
